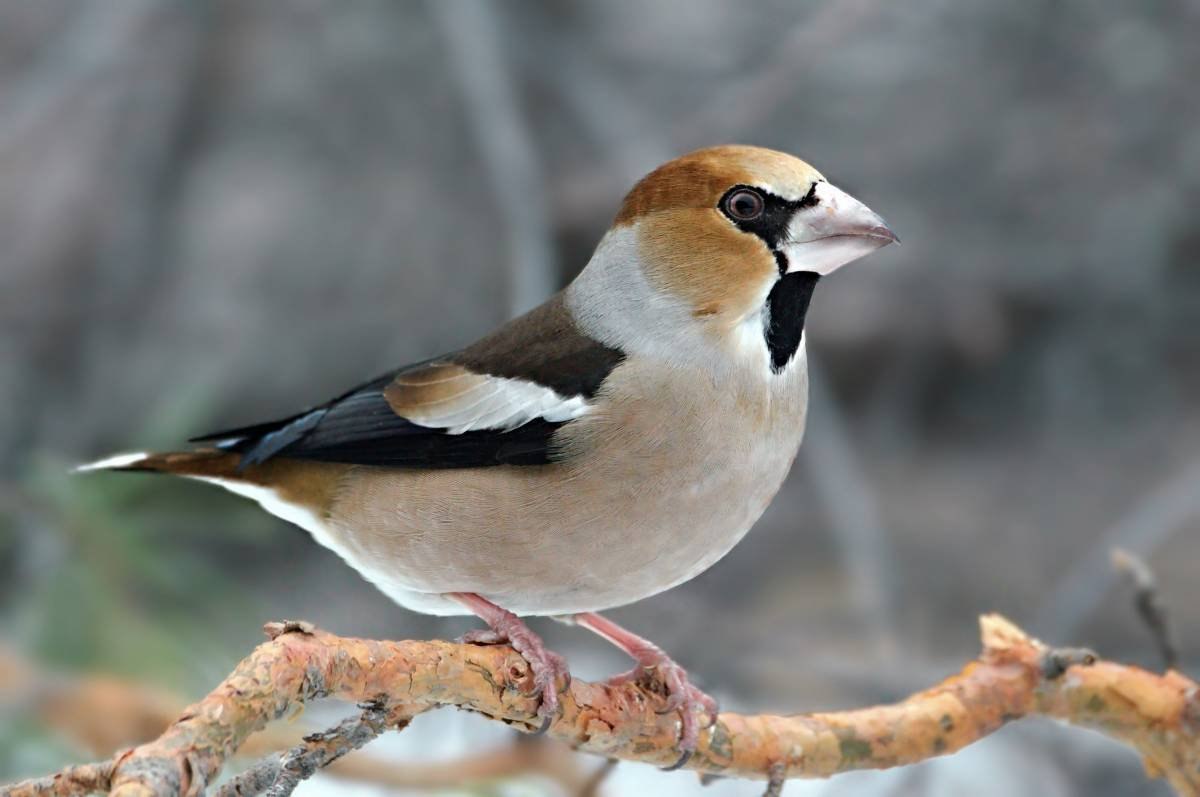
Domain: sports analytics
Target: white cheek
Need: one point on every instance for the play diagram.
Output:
(613, 302)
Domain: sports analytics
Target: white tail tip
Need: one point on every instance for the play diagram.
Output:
(112, 463)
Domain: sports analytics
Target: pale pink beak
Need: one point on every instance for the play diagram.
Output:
(837, 230)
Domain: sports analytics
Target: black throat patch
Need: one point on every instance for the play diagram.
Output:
(787, 306)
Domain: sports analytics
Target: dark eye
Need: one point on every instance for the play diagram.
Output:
(744, 204)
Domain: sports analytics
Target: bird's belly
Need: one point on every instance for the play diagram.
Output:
(552, 539)
(649, 493)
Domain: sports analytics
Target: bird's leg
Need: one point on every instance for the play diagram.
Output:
(505, 627)
(656, 666)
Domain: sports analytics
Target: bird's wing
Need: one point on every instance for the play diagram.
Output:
(497, 402)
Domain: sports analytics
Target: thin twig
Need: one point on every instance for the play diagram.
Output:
(775, 782)
(280, 773)
(591, 787)
(1150, 605)
(1148, 525)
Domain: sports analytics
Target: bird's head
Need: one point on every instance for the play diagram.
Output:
(723, 245)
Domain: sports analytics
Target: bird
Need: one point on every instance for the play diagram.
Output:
(610, 444)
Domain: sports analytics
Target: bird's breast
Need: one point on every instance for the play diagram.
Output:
(656, 483)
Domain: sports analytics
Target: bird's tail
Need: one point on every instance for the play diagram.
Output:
(298, 491)
(208, 463)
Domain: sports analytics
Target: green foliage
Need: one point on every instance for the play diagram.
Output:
(134, 558)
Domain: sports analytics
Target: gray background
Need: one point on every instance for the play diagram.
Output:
(218, 212)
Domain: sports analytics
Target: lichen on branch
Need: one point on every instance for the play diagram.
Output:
(1015, 676)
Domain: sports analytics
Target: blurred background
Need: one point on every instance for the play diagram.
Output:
(214, 213)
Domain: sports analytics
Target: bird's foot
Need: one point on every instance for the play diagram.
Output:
(547, 666)
(660, 673)
(507, 628)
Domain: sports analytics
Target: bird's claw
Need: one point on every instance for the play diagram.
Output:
(545, 665)
(482, 636)
(681, 763)
(660, 670)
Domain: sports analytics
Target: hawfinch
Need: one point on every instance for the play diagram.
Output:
(610, 444)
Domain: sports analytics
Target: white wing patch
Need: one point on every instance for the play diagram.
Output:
(495, 402)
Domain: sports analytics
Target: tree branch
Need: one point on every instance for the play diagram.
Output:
(1015, 676)
(280, 773)
(1149, 604)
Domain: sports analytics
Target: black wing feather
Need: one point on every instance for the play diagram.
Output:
(361, 427)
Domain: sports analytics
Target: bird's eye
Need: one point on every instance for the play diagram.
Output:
(744, 204)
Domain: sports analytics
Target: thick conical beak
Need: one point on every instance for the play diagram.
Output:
(833, 231)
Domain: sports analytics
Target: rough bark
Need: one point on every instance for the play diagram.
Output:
(1015, 676)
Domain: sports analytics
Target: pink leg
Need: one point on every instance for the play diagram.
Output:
(655, 665)
(504, 626)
